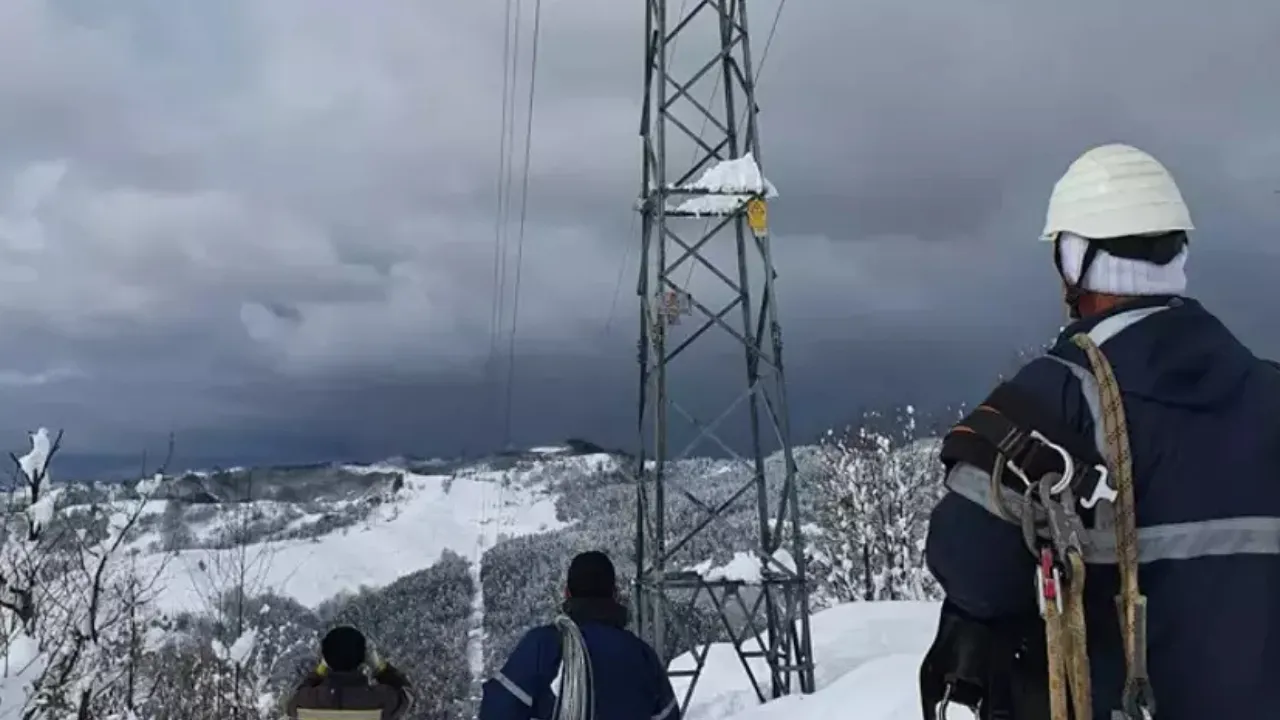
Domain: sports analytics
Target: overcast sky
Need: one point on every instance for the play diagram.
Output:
(268, 225)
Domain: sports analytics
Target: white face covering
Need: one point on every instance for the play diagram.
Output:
(1120, 276)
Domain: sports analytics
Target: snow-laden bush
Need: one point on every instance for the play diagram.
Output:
(421, 624)
(235, 662)
(873, 496)
(233, 657)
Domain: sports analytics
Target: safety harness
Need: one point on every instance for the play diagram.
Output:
(1054, 484)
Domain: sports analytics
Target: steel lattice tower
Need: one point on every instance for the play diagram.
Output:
(774, 623)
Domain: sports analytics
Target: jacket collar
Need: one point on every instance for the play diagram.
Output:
(605, 611)
(1084, 325)
(347, 678)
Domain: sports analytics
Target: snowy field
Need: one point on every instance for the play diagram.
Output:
(429, 515)
(867, 659)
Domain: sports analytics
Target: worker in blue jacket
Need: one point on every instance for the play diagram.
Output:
(606, 672)
(1203, 417)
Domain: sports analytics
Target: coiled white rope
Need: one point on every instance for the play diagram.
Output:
(574, 701)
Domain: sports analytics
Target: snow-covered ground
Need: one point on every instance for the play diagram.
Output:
(429, 515)
(867, 660)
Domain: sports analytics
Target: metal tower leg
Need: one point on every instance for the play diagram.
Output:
(768, 619)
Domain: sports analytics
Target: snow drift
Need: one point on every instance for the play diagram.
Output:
(867, 659)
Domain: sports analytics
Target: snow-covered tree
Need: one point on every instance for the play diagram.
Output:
(420, 623)
(174, 533)
(199, 677)
(72, 602)
(872, 499)
(234, 677)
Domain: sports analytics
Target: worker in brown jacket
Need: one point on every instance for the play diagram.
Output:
(351, 683)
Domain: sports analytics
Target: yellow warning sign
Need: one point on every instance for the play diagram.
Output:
(757, 216)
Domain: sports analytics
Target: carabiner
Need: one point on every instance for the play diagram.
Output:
(945, 702)
(1068, 464)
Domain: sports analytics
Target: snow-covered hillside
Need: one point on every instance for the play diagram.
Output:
(407, 531)
(388, 521)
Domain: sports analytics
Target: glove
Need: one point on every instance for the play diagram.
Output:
(371, 658)
(382, 670)
(957, 668)
(387, 674)
(316, 676)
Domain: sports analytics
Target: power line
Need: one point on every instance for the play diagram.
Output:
(622, 269)
(524, 208)
(768, 41)
(764, 57)
(506, 172)
(504, 155)
(512, 69)
(510, 47)
(626, 252)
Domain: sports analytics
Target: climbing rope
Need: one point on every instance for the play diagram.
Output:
(1060, 575)
(1137, 701)
(574, 701)
(1063, 610)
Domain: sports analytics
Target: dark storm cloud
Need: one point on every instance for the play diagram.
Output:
(270, 226)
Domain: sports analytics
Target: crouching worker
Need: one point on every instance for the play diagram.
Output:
(605, 671)
(350, 683)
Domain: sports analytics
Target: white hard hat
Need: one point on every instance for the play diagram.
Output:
(1115, 191)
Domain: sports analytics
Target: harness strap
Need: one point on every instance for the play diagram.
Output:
(1018, 441)
(1137, 701)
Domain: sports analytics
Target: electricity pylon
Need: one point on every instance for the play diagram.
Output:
(767, 616)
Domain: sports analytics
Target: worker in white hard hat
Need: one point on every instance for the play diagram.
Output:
(1142, 453)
